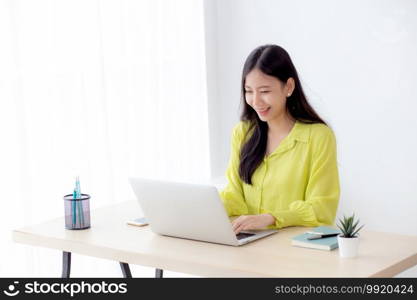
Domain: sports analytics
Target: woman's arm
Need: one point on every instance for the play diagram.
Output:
(232, 195)
(322, 191)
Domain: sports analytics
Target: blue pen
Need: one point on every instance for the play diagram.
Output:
(73, 203)
(80, 205)
(77, 186)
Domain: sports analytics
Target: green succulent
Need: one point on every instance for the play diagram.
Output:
(348, 226)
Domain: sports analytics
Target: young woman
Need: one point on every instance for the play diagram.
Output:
(283, 165)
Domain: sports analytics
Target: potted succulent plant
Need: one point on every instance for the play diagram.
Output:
(348, 240)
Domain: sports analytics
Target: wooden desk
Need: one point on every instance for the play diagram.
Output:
(380, 254)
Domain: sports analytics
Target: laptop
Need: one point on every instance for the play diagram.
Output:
(189, 211)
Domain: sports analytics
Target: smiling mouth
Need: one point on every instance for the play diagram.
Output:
(263, 111)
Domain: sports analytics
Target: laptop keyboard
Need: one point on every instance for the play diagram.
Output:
(241, 235)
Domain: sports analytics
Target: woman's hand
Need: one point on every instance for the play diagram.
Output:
(249, 222)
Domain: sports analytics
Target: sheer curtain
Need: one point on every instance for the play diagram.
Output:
(99, 89)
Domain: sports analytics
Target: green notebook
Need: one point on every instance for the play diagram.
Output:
(328, 243)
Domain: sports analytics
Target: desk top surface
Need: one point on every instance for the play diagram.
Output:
(380, 254)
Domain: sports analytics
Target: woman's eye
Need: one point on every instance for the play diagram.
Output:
(264, 92)
(248, 92)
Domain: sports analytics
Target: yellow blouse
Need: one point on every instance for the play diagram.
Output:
(298, 183)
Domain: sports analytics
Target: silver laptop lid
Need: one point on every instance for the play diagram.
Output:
(186, 210)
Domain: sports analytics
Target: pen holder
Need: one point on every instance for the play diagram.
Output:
(77, 212)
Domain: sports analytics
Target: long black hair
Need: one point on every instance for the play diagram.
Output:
(274, 61)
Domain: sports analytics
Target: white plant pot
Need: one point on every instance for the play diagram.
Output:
(348, 247)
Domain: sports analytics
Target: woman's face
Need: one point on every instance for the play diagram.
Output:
(267, 95)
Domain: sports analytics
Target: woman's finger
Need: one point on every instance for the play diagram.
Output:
(244, 225)
(238, 221)
(235, 227)
(239, 227)
(248, 225)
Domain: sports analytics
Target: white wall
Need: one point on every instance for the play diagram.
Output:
(358, 66)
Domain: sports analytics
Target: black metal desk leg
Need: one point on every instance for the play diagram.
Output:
(159, 273)
(126, 270)
(66, 264)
